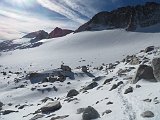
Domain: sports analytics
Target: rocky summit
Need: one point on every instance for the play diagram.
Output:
(129, 18)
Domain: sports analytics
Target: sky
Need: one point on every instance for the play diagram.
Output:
(19, 17)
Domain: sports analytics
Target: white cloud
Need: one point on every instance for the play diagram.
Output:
(59, 7)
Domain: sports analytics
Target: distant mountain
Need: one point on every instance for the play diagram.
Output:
(58, 32)
(41, 34)
(35, 34)
(129, 18)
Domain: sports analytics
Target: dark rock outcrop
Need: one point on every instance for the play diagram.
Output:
(128, 18)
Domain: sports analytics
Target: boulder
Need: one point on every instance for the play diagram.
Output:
(91, 86)
(114, 86)
(147, 114)
(106, 112)
(72, 93)
(107, 81)
(144, 72)
(84, 69)
(129, 90)
(51, 107)
(90, 113)
(156, 68)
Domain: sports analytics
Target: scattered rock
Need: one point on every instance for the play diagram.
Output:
(37, 117)
(119, 83)
(21, 107)
(109, 103)
(106, 112)
(98, 78)
(84, 69)
(51, 107)
(138, 86)
(90, 113)
(147, 100)
(114, 86)
(108, 80)
(72, 93)
(91, 86)
(59, 117)
(5, 112)
(147, 114)
(46, 99)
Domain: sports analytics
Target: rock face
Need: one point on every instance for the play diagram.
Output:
(144, 72)
(147, 114)
(90, 113)
(128, 18)
(72, 93)
(58, 32)
(51, 107)
(156, 68)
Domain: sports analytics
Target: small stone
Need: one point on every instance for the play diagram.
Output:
(147, 114)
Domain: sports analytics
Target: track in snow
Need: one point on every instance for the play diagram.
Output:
(128, 107)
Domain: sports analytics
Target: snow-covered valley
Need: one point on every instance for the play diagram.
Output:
(95, 50)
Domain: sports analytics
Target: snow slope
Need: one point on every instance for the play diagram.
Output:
(93, 48)
(98, 47)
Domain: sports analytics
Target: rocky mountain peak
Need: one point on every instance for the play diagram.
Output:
(58, 32)
(129, 18)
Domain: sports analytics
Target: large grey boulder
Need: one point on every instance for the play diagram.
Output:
(144, 72)
(51, 107)
(90, 113)
(156, 68)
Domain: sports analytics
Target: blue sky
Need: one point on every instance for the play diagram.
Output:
(22, 16)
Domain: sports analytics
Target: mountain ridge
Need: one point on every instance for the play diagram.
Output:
(129, 18)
